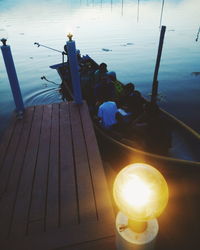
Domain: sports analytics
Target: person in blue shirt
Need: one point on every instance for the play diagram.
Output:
(107, 113)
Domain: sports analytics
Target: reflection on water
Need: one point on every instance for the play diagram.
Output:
(162, 8)
(123, 33)
(198, 32)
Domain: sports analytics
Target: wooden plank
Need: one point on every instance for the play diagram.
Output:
(38, 196)
(35, 227)
(86, 199)
(103, 202)
(5, 140)
(99, 244)
(67, 188)
(10, 155)
(8, 200)
(75, 234)
(20, 215)
(52, 203)
(110, 178)
(55, 184)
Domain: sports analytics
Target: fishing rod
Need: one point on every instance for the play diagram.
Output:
(62, 52)
(59, 51)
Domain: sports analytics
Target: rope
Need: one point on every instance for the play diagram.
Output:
(183, 125)
(68, 89)
(151, 155)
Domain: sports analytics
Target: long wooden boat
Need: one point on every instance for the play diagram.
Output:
(185, 146)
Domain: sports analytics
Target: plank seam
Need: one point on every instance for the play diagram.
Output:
(20, 176)
(59, 170)
(3, 188)
(47, 183)
(38, 220)
(85, 242)
(8, 144)
(10, 170)
(89, 164)
(75, 170)
(33, 180)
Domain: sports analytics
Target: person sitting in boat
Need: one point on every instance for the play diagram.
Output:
(100, 73)
(104, 88)
(107, 113)
(118, 85)
(83, 61)
(132, 100)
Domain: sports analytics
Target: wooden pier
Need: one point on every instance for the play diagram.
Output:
(53, 191)
(54, 194)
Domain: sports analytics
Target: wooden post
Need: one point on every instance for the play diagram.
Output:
(12, 76)
(73, 65)
(155, 80)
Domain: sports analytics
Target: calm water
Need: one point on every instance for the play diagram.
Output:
(121, 33)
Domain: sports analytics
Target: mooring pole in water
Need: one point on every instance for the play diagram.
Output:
(155, 80)
(161, 14)
(122, 12)
(73, 65)
(138, 10)
(12, 76)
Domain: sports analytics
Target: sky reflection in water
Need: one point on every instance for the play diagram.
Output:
(116, 32)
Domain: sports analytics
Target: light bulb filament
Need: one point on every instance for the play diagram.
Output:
(136, 192)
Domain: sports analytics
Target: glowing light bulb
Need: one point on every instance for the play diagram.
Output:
(136, 192)
(140, 192)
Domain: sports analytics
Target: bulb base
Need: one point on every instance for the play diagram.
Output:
(128, 239)
(137, 226)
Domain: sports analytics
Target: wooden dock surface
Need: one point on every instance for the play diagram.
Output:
(53, 191)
